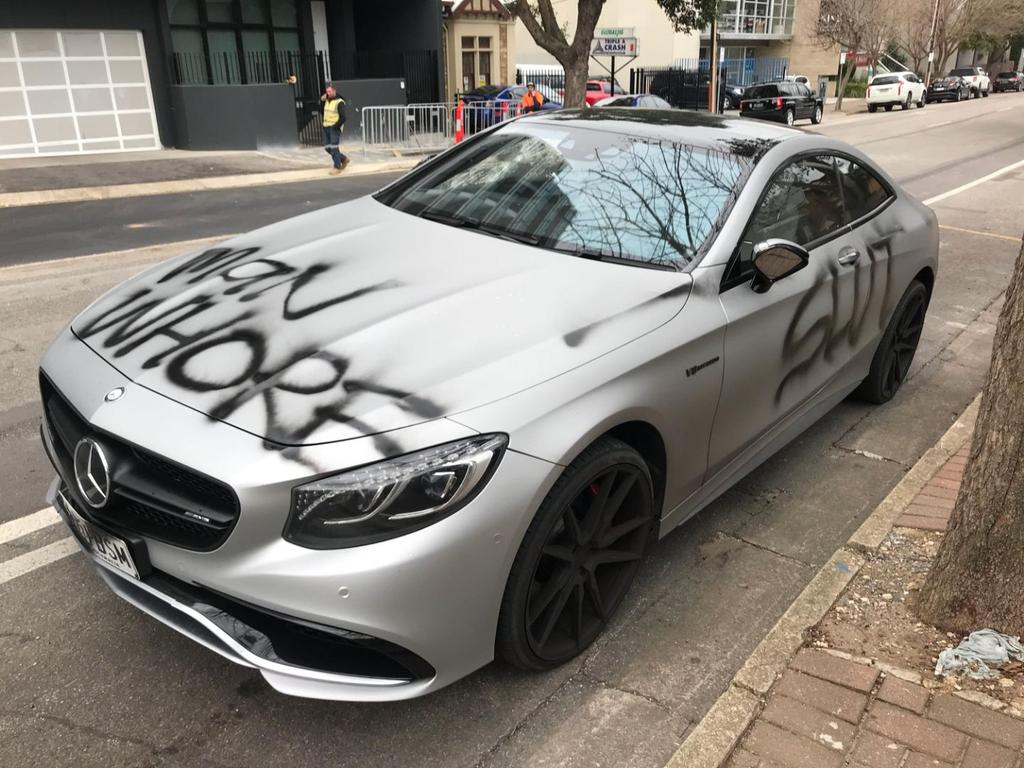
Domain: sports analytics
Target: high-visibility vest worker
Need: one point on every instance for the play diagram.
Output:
(334, 109)
(334, 121)
(532, 99)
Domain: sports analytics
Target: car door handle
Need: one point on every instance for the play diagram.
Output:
(848, 256)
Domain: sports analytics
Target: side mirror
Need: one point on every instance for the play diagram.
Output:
(775, 259)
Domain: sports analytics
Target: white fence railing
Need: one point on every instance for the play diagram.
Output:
(429, 126)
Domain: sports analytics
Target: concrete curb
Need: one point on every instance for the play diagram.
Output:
(714, 738)
(115, 191)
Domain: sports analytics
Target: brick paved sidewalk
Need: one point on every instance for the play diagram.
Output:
(827, 712)
(932, 506)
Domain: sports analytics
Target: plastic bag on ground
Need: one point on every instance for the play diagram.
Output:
(977, 651)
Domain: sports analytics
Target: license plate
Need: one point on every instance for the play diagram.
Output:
(939, 88)
(103, 546)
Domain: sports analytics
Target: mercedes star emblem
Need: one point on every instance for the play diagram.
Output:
(92, 472)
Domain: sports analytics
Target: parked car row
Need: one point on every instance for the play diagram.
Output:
(905, 89)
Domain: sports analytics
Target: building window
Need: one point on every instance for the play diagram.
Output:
(476, 62)
(220, 42)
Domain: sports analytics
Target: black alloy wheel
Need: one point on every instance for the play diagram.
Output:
(578, 558)
(895, 352)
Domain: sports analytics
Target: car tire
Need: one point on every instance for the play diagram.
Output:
(576, 563)
(726, 104)
(984, 94)
(922, 101)
(906, 104)
(872, 108)
(790, 117)
(957, 96)
(896, 349)
(816, 115)
(888, 107)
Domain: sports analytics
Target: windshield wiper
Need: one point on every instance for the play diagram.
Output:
(487, 229)
(604, 254)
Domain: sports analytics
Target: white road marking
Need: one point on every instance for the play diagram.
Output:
(37, 558)
(944, 122)
(1005, 109)
(23, 526)
(976, 182)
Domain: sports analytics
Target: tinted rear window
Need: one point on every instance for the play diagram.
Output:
(1006, 75)
(761, 92)
(885, 80)
(966, 72)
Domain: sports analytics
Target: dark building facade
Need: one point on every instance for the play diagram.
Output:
(135, 74)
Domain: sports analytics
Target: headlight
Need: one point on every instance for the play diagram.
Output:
(392, 498)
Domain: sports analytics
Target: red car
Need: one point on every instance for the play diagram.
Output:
(600, 89)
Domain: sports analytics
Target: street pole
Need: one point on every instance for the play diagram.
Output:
(713, 66)
(931, 44)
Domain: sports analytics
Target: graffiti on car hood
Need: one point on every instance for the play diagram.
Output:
(358, 319)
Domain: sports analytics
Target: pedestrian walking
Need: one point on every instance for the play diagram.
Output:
(334, 121)
(532, 99)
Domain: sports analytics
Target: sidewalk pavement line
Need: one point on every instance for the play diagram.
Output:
(976, 182)
(716, 735)
(712, 741)
(149, 188)
(106, 254)
(979, 232)
(23, 526)
(872, 532)
(37, 558)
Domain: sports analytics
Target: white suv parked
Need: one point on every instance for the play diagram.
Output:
(892, 88)
(976, 77)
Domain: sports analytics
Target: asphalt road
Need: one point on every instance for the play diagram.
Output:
(36, 233)
(87, 680)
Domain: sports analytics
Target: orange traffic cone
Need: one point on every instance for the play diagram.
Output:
(459, 132)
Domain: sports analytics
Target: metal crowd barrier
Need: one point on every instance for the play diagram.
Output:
(429, 126)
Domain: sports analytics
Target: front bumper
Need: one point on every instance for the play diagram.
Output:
(434, 594)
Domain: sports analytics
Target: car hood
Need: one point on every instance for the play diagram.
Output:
(358, 319)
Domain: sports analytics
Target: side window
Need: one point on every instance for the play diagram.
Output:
(801, 204)
(593, 86)
(862, 190)
(804, 91)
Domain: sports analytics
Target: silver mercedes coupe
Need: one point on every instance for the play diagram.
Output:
(368, 449)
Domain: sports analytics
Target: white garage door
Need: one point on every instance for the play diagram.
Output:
(71, 91)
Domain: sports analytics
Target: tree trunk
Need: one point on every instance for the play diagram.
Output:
(976, 580)
(576, 73)
(847, 74)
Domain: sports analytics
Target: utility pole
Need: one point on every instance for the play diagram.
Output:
(931, 45)
(713, 66)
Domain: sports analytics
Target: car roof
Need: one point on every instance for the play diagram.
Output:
(677, 125)
(897, 73)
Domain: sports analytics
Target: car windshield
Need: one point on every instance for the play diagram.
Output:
(588, 193)
(1006, 75)
(617, 101)
(885, 80)
(962, 72)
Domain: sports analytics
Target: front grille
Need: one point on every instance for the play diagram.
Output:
(150, 495)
